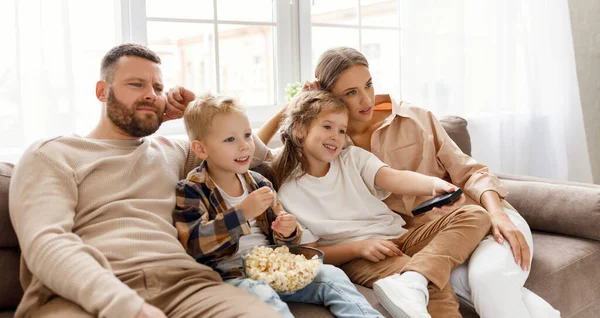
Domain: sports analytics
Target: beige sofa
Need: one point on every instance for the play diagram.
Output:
(565, 218)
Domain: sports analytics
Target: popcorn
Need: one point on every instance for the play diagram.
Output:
(283, 271)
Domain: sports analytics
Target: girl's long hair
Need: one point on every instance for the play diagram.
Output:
(302, 110)
(333, 62)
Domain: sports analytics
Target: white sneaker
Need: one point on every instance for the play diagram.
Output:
(402, 298)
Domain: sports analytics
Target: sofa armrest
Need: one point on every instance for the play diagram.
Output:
(553, 206)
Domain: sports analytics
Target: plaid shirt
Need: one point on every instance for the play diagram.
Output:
(210, 231)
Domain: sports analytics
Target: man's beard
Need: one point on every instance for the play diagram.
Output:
(126, 118)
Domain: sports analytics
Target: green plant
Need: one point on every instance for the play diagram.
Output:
(291, 89)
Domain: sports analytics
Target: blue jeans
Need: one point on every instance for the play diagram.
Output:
(331, 288)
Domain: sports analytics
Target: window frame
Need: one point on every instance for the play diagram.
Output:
(293, 37)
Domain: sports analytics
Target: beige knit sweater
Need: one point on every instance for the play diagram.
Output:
(86, 211)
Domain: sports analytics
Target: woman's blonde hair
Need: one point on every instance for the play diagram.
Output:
(301, 112)
(333, 62)
(199, 113)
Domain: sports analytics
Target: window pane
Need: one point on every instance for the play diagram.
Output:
(324, 38)
(183, 9)
(187, 53)
(10, 134)
(379, 13)
(381, 47)
(246, 63)
(246, 10)
(335, 12)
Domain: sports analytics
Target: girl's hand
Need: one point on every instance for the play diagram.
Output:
(149, 311)
(442, 187)
(376, 250)
(285, 224)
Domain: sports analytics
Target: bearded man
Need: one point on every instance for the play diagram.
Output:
(93, 214)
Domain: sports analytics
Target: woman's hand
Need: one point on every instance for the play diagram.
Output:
(376, 250)
(311, 86)
(503, 228)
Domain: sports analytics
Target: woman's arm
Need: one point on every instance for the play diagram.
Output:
(268, 130)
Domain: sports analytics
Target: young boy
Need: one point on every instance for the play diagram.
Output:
(222, 209)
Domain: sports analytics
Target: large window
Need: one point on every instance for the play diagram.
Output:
(225, 46)
(253, 49)
(49, 65)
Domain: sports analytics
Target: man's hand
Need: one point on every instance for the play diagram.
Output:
(177, 100)
(149, 311)
(503, 228)
(376, 250)
(442, 187)
(285, 224)
(257, 202)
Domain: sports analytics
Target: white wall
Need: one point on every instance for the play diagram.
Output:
(585, 24)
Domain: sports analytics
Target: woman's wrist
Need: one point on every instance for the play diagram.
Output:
(282, 111)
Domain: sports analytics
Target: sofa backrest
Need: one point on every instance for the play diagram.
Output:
(10, 289)
(456, 127)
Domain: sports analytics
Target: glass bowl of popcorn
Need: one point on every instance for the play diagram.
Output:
(286, 269)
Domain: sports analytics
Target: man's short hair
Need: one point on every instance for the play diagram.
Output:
(109, 61)
(200, 113)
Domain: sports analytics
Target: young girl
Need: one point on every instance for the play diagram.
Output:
(411, 138)
(336, 194)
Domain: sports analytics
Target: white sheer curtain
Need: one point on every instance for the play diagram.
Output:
(508, 67)
(49, 65)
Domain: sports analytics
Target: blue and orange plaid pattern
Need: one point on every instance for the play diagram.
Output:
(208, 230)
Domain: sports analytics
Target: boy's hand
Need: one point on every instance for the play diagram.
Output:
(177, 100)
(442, 187)
(257, 202)
(376, 250)
(285, 224)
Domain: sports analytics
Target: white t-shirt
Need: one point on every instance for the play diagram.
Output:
(246, 241)
(344, 205)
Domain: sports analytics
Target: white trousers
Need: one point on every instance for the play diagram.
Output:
(492, 282)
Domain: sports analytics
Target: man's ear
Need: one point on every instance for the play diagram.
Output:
(101, 89)
(199, 149)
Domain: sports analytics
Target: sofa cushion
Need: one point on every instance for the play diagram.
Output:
(7, 314)
(7, 234)
(554, 206)
(565, 272)
(456, 127)
(10, 288)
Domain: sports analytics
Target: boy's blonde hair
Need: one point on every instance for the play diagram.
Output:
(303, 109)
(199, 114)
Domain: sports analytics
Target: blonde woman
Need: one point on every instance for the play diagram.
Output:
(410, 138)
